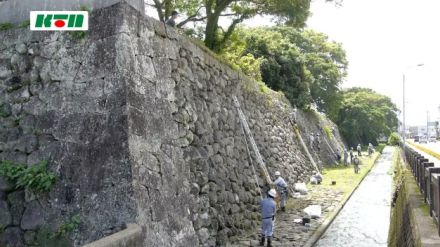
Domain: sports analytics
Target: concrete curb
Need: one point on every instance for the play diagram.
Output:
(129, 237)
(323, 227)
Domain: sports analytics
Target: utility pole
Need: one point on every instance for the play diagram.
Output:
(403, 120)
(427, 125)
(404, 123)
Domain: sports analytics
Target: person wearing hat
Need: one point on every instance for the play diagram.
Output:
(281, 189)
(345, 157)
(268, 210)
(172, 20)
(351, 155)
(356, 164)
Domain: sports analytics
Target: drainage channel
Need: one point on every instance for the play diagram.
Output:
(364, 220)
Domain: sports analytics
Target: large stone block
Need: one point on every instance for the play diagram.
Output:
(12, 236)
(32, 217)
(5, 215)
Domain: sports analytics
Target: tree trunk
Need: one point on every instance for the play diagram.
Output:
(211, 37)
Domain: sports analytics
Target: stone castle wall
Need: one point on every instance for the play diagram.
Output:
(139, 125)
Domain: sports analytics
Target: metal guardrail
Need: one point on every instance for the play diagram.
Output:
(428, 180)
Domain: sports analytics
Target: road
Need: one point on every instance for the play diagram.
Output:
(364, 220)
(433, 146)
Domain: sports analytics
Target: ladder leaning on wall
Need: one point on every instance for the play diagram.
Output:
(247, 133)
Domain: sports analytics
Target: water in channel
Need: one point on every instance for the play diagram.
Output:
(364, 220)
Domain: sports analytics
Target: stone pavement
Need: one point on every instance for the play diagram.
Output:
(288, 233)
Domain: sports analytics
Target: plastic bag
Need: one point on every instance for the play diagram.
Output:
(314, 211)
(301, 188)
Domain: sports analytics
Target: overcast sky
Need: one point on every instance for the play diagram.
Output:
(385, 39)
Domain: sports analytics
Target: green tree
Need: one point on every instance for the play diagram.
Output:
(301, 63)
(364, 115)
(282, 63)
(208, 12)
(394, 139)
(235, 53)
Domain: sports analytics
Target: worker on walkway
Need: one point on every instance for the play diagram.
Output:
(359, 149)
(281, 189)
(356, 164)
(268, 210)
(351, 155)
(345, 157)
(370, 149)
(316, 178)
(312, 140)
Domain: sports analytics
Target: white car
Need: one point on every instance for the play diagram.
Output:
(423, 139)
(432, 139)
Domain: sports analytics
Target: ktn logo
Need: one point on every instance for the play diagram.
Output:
(59, 20)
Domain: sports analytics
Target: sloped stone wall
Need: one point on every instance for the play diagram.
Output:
(139, 125)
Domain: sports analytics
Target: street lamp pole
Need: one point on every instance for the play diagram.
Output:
(403, 108)
(404, 126)
(427, 125)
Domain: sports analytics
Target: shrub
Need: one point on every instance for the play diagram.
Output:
(328, 132)
(394, 139)
(380, 147)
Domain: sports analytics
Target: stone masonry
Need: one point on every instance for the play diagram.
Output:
(139, 125)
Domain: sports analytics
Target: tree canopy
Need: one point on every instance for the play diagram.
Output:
(365, 115)
(303, 64)
(209, 12)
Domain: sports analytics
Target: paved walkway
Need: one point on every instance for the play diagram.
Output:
(289, 234)
(364, 220)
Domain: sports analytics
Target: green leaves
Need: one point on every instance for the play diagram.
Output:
(67, 227)
(208, 14)
(35, 177)
(394, 139)
(304, 65)
(364, 115)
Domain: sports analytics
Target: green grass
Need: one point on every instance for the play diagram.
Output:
(346, 179)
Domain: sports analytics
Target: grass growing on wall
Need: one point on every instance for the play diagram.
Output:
(399, 205)
(6, 26)
(328, 132)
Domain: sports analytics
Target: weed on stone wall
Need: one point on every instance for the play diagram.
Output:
(25, 24)
(79, 35)
(328, 132)
(59, 238)
(6, 26)
(35, 177)
(5, 110)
